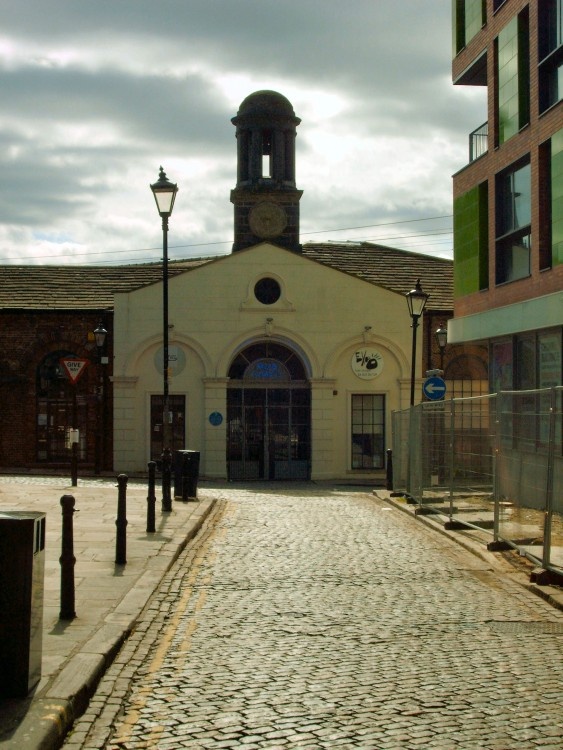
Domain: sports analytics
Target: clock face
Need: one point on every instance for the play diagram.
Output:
(267, 220)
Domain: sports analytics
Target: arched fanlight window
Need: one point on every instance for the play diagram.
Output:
(267, 360)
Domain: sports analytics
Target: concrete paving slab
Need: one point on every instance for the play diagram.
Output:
(108, 597)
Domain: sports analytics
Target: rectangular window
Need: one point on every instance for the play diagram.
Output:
(469, 17)
(513, 224)
(501, 370)
(551, 201)
(556, 197)
(550, 52)
(550, 369)
(368, 431)
(471, 245)
(513, 78)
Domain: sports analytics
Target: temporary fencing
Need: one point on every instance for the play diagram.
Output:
(492, 462)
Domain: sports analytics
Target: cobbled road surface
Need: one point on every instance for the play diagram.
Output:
(313, 618)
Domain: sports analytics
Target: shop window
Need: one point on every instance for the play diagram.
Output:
(501, 370)
(513, 224)
(368, 431)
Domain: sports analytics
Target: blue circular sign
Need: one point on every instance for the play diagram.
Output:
(434, 388)
(215, 418)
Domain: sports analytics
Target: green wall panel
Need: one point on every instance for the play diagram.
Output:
(471, 241)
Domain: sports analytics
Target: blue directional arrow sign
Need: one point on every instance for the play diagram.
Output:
(434, 388)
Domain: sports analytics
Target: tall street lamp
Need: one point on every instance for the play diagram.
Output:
(441, 335)
(100, 334)
(164, 193)
(416, 300)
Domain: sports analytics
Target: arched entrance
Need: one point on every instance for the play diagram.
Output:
(60, 405)
(268, 414)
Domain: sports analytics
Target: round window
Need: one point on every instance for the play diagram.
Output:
(267, 291)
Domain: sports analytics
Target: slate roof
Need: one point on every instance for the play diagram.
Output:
(390, 268)
(76, 287)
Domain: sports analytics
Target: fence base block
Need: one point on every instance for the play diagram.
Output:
(498, 546)
(455, 525)
(422, 511)
(543, 577)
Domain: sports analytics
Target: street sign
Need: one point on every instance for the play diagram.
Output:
(74, 367)
(434, 388)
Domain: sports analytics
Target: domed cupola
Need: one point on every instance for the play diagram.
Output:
(266, 200)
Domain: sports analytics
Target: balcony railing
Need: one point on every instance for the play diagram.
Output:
(478, 141)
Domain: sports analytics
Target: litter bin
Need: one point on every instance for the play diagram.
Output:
(186, 474)
(22, 569)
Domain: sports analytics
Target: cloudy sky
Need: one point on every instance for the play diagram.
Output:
(97, 94)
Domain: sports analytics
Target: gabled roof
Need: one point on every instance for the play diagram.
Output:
(75, 287)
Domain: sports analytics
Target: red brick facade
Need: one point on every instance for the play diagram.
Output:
(28, 432)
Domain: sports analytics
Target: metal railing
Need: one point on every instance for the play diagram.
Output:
(479, 141)
(491, 462)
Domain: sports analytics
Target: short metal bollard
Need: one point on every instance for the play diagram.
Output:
(121, 521)
(389, 470)
(151, 498)
(166, 480)
(67, 559)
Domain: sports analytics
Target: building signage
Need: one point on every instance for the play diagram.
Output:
(176, 360)
(367, 363)
(215, 418)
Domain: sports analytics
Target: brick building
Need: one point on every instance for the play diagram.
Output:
(508, 200)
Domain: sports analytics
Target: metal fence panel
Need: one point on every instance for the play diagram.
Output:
(492, 462)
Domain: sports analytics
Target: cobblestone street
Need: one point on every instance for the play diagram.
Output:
(322, 618)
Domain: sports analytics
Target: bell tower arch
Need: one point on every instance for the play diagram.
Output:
(266, 199)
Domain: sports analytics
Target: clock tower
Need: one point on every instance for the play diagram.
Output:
(266, 200)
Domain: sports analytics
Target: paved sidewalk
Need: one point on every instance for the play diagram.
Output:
(108, 597)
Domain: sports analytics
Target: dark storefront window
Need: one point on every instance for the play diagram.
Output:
(368, 431)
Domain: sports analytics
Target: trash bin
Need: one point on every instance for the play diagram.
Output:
(186, 474)
(22, 569)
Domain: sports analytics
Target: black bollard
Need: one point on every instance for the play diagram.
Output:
(151, 498)
(166, 475)
(121, 521)
(389, 471)
(67, 560)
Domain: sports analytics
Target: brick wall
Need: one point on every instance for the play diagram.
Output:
(26, 338)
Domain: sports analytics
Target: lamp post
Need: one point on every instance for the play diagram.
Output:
(441, 336)
(100, 334)
(416, 300)
(164, 193)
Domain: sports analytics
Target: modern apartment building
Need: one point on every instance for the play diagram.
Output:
(508, 200)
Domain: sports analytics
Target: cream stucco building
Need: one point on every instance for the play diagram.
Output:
(286, 361)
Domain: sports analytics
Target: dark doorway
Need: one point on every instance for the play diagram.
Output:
(177, 414)
(268, 415)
